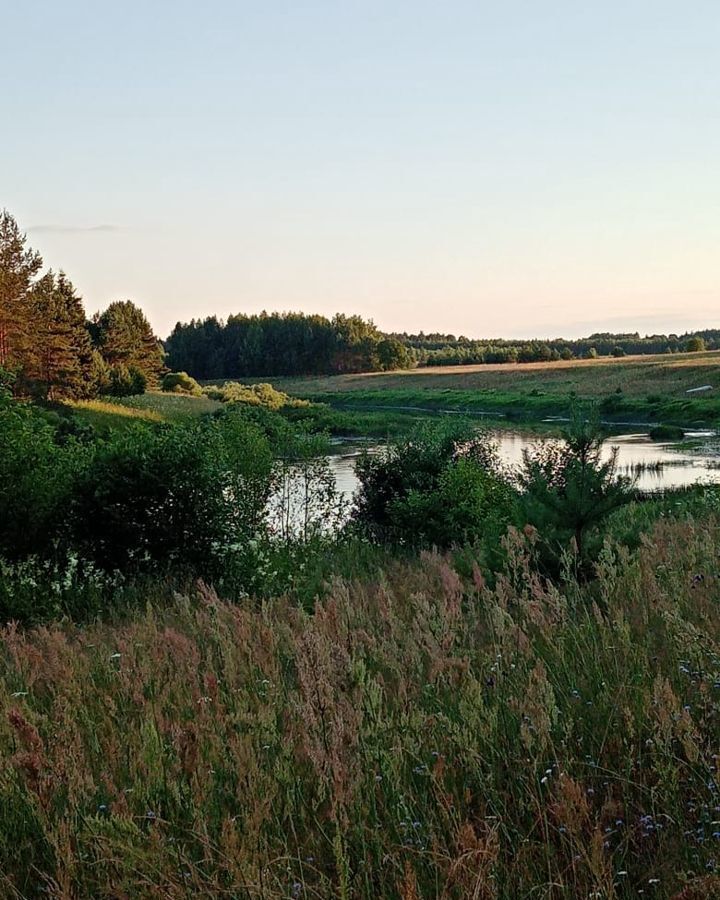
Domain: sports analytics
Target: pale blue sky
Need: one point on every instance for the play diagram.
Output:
(493, 169)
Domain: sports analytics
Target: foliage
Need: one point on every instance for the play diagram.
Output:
(180, 383)
(43, 337)
(172, 494)
(262, 394)
(61, 363)
(392, 354)
(418, 736)
(126, 341)
(567, 491)
(468, 503)
(438, 486)
(36, 481)
(124, 381)
(449, 350)
(281, 344)
(18, 267)
(666, 433)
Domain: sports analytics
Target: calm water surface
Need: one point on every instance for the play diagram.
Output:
(656, 466)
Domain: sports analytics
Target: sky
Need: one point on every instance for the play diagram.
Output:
(493, 169)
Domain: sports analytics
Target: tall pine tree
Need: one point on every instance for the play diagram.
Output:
(18, 267)
(62, 361)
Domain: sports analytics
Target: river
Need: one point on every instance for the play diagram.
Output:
(655, 466)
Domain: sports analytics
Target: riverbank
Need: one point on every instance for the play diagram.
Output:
(682, 389)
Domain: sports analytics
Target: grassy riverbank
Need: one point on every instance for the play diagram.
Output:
(647, 389)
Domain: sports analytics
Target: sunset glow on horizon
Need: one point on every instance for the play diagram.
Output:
(520, 170)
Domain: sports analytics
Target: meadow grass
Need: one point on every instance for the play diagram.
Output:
(419, 735)
(153, 406)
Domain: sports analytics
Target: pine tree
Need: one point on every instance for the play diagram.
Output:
(125, 339)
(18, 267)
(62, 358)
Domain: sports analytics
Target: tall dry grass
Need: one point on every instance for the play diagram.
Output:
(418, 737)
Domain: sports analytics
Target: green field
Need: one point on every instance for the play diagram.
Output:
(646, 388)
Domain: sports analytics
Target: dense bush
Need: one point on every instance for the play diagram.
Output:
(439, 486)
(37, 477)
(264, 395)
(125, 382)
(172, 494)
(181, 383)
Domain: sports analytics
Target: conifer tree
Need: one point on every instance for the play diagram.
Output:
(126, 341)
(18, 267)
(62, 354)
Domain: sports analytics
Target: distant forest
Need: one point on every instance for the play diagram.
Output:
(49, 349)
(283, 344)
(271, 344)
(448, 350)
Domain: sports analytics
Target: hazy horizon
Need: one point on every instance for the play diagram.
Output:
(509, 172)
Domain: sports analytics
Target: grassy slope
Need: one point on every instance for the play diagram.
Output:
(118, 412)
(649, 387)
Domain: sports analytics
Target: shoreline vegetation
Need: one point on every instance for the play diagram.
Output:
(649, 390)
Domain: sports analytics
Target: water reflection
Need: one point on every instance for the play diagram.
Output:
(654, 465)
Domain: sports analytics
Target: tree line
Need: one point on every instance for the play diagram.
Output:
(448, 350)
(270, 344)
(48, 348)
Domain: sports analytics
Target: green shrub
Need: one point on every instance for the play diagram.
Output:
(567, 492)
(181, 383)
(37, 478)
(125, 382)
(666, 433)
(262, 394)
(439, 486)
(175, 494)
(467, 503)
